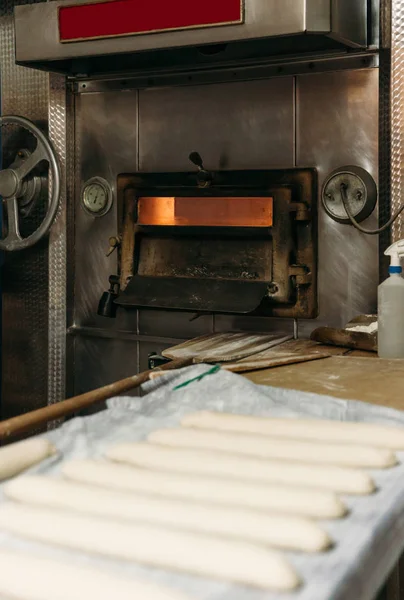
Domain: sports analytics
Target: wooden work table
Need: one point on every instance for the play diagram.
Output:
(352, 375)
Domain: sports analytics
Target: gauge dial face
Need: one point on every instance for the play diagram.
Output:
(96, 197)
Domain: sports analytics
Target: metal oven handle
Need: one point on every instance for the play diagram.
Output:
(11, 187)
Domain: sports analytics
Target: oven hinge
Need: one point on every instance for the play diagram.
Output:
(301, 273)
(303, 212)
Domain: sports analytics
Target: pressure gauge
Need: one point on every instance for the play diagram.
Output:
(96, 196)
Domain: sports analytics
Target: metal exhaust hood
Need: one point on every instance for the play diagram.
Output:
(109, 36)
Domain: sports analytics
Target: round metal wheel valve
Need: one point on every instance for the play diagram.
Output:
(13, 184)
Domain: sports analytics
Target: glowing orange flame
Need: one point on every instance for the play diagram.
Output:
(206, 212)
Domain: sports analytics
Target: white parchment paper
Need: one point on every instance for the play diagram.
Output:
(368, 542)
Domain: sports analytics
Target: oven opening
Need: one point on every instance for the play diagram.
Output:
(206, 212)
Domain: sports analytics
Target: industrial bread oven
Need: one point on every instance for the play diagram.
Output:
(202, 148)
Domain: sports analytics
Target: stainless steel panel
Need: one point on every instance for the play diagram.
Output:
(38, 36)
(376, 16)
(318, 15)
(339, 18)
(337, 125)
(106, 145)
(246, 125)
(246, 323)
(174, 324)
(24, 274)
(128, 336)
(348, 24)
(100, 362)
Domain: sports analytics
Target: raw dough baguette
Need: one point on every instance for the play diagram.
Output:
(285, 499)
(264, 447)
(22, 455)
(289, 532)
(204, 462)
(310, 429)
(196, 554)
(25, 577)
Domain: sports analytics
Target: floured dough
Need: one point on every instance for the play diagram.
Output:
(205, 462)
(20, 456)
(286, 449)
(271, 529)
(310, 429)
(26, 577)
(196, 554)
(285, 499)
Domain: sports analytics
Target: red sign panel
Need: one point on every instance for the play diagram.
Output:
(114, 18)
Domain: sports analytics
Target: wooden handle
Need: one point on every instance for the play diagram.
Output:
(23, 423)
(355, 340)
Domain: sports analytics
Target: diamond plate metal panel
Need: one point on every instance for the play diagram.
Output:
(25, 274)
(384, 158)
(397, 114)
(61, 133)
(384, 134)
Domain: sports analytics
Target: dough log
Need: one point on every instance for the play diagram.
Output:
(196, 554)
(283, 499)
(289, 532)
(311, 429)
(18, 457)
(26, 577)
(276, 448)
(204, 462)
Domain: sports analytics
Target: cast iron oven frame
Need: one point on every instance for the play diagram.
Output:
(292, 290)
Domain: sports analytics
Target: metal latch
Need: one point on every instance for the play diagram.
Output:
(114, 243)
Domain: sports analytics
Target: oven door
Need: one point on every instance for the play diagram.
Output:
(244, 244)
